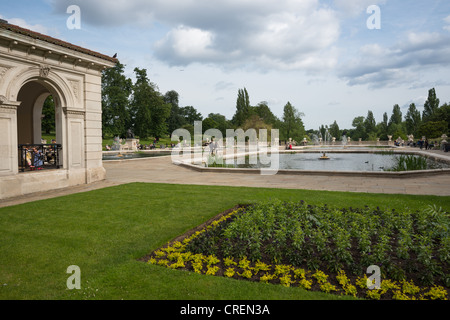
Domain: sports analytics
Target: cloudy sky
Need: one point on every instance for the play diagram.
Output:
(320, 55)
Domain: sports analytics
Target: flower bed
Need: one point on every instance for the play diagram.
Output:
(322, 248)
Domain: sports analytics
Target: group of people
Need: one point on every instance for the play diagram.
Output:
(34, 158)
(144, 147)
(153, 146)
(213, 147)
(425, 144)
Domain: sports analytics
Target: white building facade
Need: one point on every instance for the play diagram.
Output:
(33, 67)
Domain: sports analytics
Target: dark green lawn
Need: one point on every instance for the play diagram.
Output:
(106, 231)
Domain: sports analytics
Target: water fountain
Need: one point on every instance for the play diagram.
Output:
(116, 146)
(344, 141)
(324, 157)
(327, 138)
(315, 139)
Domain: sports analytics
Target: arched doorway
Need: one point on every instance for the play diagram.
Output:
(34, 67)
(36, 153)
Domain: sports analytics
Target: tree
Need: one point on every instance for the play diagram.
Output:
(396, 126)
(48, 112)
(209, 123)
(222, 123)
(257, 123)
(292, 125)
(140, 104)
(396, 116)
(190, 114)
(334, 131)
(242, 108)
(413, 120)
(370, 125)
(264, 113)
(159, 114)
(176, 119)
(383, 127)
(116, 91)
(323, 132)
(433, 129)
(148, 109)
(431, 105)
(360, 131)
(443, 113)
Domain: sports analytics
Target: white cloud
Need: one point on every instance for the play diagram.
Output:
(188, 42)
(279, 39)
(381, 66)
(353, 8)
(447, 21)
(23, 24)
(235, 33)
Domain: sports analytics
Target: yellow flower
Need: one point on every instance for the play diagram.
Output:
(437, 293)
(409, 287)
(282, 269)
(261, 266)
(305, 284)
(246, 274)
(229, 272)
(342, 278)
(228, 262)
(300, 273)
(374, 294)
(351, 290)
(362, 282)
(212, 259)
(320, 276)
(159, 254)
(327, 287)
(163, 262)
(212, 270)
(286, 280)
(173, 256)
(198, 266)
(244, 263)
(267, 277)
(398, 295)
(178, 264)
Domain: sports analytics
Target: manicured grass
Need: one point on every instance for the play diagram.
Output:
(106, 231)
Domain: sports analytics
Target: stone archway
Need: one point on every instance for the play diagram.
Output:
(29, 114)
(31, 91)
(33, 67)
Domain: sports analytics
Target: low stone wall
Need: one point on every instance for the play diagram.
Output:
(381, 174)
(47, 180)
(371, 174)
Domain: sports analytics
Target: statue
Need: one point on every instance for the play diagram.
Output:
(130, 134)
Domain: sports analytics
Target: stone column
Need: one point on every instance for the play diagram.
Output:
(93, 127)
(75, 147)
(9, 156)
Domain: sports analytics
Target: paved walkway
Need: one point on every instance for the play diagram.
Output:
(161, 170)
